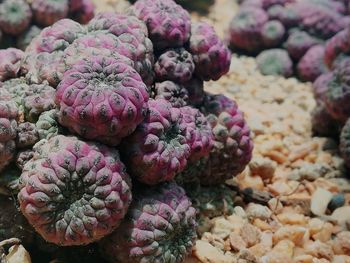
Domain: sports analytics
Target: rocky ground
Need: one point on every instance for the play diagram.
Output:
(294, 175)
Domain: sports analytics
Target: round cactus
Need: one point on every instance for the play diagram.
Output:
(8, 129)
(160, 227)
(232, 149)
(195, 88)
(47, 124)
(43, 58)
(272, 33)
(245, 29)
(175, 64)
(66, 175)
(168, 23)
(211, 57)
(9, 182)
(344, 145)
(320, 86)
(285, 14)
(298, 43)
(47, 12)
(336, 46)
(275, 62)
(10, 60)
(268, 3)
(15, 16)
(338, 93)
(27, 36)
(323, 124)
(175, 93)
(27, 135)
(85, 12)
(12, 223)
(102, 98)
(132, 32)
(312, 65)
(159, 147)
(22, 157)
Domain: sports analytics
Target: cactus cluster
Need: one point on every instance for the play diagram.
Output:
(104, 128)
(296, 26)
(21, 20)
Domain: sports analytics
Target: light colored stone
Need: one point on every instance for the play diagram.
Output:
(263, 167)
(315, 225)
(292, 219)
(262, 225)
(325, 233)
(275, 205)
(319, 249)
(341, 259)
(18, 254)
(250, 234)
(341, 244)
(285, 247)
(236, 241)
(291, 232)
(319, 201)
(341, 215)
(258, 211)
(207, 253)
(303, 259)
(222, 228)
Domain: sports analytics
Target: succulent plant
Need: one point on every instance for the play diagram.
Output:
(85, 12)
(174, 64)
(47, 124)
(320, 86)
(338, 93)
(102, 98)
(12, 223)
(27, 135)
(245, 28)
(210, 55)
(285, 14)
(27, 36)
(8, 130)
(344, 144)
(22, 157)
(268, 3)
(43, 58)
(272, 33)
(9, 63)
(196, 5)
(132, 32)
(298, 43)
(337, 6)
(275, 62)
(168, 23)
(323, 124)
(159, 147)
(312, 65)
(336, 46)
(160, 227)
(251, 3)
(15, 16)
(175, 93)
(195, 88)
(47, 12)
(232, 149)
(73, 192)
(317, 20)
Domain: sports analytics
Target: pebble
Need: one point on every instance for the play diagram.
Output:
(236, 241)
(293, 233)
(250, 234)
(263, 167)
(319, 201)
(337, 201)
(258, 211)
(207, 253)
(319, 249)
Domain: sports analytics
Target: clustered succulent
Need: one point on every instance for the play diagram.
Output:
(296, 26)
(105, 128)
(22, 20)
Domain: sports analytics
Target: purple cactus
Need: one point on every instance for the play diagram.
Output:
(47, 12)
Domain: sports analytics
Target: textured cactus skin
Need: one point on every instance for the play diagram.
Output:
(8, 129)
(9, 181)
(285, 14)
(298, 43)
(27, 36)
(12, 223)
(9, 63)
(168, 23)
(102, 98)
(23, 157)
(176, 65)
(338, 93)
(15, 16)
(272, 33)
(43, 59)
(337, 45)
(83, 184)
(312, 65)
(85, 12)
(175, 93)
(195, 88)
(210, 55)
(245, 29)
(159, 147)
(159, 227)
(233, 146)
(318, 20)
(201, 139)
(275, 62)
(320, 85)
(47, 12)
(47, 124)
(133, 32)
(27, 135)
(344, 145)
(323, 124)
